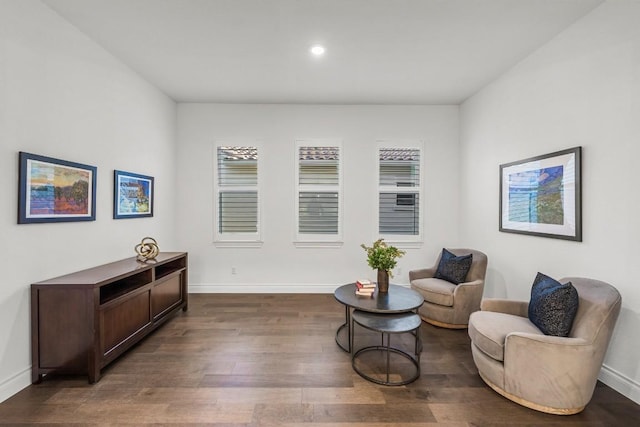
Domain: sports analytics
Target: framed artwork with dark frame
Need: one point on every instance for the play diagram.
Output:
(132, 195)
(542, 195)
(54, 190)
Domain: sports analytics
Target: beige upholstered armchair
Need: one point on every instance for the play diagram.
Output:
(446, 304)
(552, 374)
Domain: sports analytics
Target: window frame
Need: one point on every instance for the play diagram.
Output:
(313, 239)
(407, 239)
(251, 239)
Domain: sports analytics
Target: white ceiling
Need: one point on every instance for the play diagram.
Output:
(378, 51)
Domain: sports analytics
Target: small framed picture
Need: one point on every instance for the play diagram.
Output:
(541, 196)
(54, 190)
(132, 195)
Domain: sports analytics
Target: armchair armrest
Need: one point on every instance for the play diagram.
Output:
(565, 368)
(547, 340)
(516, 308)
(423, 273)
(468, 287)
(464, 285)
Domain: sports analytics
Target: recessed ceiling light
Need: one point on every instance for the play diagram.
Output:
(317, 50)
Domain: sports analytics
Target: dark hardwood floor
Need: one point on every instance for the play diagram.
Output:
(267, 360)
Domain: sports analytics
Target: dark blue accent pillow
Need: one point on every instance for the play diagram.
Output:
(453, 268)
(553, 306)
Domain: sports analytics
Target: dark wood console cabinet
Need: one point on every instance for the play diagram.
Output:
(82, 321)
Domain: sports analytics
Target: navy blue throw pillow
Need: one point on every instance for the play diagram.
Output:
(453, 268)
(553, 306)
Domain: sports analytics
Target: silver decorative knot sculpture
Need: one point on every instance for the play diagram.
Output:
(147, 249)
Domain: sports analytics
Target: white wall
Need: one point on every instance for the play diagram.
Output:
(63, 96)
(279, 266)
(583, 88)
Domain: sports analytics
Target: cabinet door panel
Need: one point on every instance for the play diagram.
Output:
(165, 294)
(63, 328)
(121, 321)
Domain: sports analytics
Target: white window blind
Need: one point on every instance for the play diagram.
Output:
(318, 212)
(319, 194)
(237, 192)
(399, 191)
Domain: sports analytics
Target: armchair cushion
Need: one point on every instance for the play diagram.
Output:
(436, 291)
(489, 331)
(453, 268)
(553, 305)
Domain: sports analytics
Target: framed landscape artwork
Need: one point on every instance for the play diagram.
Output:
(541, 196)
(54, 190)
(132, 195)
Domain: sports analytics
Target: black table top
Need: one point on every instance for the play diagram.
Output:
(398, 300)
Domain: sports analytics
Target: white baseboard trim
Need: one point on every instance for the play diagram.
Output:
(262, 288)
(265, 288)
(14, 384)
(620, 383)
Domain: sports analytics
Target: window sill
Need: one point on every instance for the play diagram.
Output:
(404, 245)
(238, 244)
(318, 244)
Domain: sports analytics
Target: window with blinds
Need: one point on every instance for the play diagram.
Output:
(399, 191)
(318, 201)
(237, 201)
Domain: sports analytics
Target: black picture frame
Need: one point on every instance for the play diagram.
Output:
(542, 195)
(133, 195)
(55, 190)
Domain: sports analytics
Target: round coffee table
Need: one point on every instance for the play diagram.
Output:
(387, 325)
(399, 299)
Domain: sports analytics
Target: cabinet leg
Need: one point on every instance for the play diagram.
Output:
(94, 374)
(36, 378)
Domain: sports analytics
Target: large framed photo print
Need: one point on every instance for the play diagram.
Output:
(54, 190)
(132, 195)
(541, 196)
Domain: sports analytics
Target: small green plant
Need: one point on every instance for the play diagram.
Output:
(381, 256)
